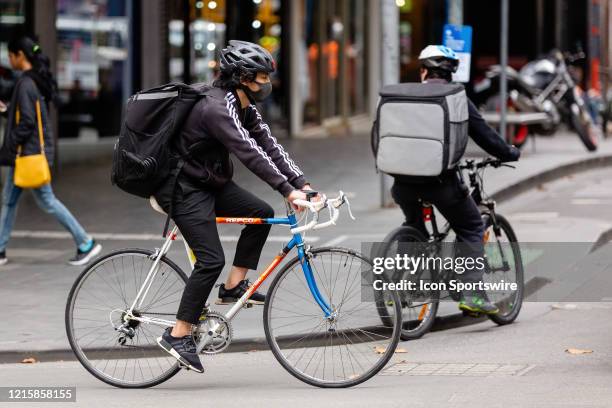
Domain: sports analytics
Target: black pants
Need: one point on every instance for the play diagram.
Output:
(451, 197)
(194, 212)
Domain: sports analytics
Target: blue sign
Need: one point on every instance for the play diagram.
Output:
(459, 39)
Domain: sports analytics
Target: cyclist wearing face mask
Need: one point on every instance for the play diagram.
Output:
(225, 121)
(448, 193)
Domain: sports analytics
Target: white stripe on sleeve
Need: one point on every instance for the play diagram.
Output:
(246, 137)
(296, 170)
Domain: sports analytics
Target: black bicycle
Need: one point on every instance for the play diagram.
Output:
(502, 258)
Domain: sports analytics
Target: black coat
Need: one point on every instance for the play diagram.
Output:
(25, 134)
(218, 126)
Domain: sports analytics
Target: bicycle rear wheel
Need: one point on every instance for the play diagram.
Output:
(96, 306)
(504, 263)
(331, 353)
(419, 307)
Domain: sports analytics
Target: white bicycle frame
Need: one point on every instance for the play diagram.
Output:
(313, 207)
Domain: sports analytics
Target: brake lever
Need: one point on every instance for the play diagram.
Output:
(348, 207)
(331, 212)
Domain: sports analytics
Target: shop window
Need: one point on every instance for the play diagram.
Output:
(334, 77)
(412, 39)
(356, 57)
(12, 19)
(92, 38)
(211, 24)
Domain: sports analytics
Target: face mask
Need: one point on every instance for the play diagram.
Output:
(264, 91)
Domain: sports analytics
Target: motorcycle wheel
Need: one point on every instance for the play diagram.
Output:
(588, 132)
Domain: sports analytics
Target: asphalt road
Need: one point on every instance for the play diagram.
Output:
(525, 364)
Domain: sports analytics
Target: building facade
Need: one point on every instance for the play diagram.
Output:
(105, 50)
(331, 55)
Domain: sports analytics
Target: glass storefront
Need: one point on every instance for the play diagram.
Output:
(356, 58)
(99, 55)
(92, 54)
(206, 24)
(412, 41)
(12, 18)
(211, 24)
(334, 45)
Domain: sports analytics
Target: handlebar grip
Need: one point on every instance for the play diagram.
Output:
(314, 206)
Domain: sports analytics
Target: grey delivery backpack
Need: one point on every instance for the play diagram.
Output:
(420, 129)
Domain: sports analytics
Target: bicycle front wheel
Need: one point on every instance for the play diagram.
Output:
(97, 306)
(331, 352)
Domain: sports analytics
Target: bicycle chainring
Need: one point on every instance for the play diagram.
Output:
(221, 340)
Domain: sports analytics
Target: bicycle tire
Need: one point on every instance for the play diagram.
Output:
(587, 131)
(276, 349)
(78, 351)
(408, 234)
(504, 225)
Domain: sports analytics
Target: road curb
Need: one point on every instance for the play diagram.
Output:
(528, 183)
(43, 356)
(237, 346)
(442, 322)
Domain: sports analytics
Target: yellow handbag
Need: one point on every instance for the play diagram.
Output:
(32, 171)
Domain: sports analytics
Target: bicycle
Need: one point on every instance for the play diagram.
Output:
(420, 306)
(329, 339)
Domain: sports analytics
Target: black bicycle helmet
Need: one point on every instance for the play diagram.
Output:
(242, 57)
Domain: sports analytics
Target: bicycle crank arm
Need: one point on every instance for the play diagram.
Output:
(209, 336)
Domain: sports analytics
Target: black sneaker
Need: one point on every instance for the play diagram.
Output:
(82, 258)
(3, 259)
(228, 296)
(475, 302)
(181, 348)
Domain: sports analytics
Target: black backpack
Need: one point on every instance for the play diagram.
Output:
(142, 159)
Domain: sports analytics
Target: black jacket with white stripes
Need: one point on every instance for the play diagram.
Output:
(218, 126)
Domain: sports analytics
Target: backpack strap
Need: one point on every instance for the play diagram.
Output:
(175, 173)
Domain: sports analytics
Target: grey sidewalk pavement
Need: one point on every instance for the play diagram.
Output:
(36, 281)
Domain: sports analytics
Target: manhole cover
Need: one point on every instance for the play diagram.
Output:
(463, 369)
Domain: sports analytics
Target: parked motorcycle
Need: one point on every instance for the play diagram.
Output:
(542, 86)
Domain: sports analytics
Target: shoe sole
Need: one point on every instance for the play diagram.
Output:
(474, 310)
(95, 251)
(168, 349)
(231, 301)
(3, 261)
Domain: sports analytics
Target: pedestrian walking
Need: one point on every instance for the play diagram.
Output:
(28, 148)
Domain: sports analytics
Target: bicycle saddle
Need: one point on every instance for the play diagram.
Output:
(156, 206)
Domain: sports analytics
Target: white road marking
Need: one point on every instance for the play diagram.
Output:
(336, 241)
(359, 237)
(590, 201)
(535, 215)
(133, 237)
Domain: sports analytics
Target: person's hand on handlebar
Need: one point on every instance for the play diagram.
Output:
(514, 154)
(301, 195)
(316, 198)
